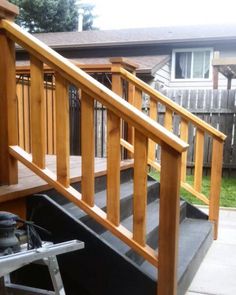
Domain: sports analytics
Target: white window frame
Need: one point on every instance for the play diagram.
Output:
(174, 51)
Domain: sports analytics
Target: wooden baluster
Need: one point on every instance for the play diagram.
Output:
(49, 90)
(140, 187)
(138, 100)
(169, 221)
(54, 114)
(87, 146)
(151, 143)
(113, 168)
(113, 157)
(26, 107)
(216, 172)
(8, 107)
(168, 120)
(62, 135)
(199, 152)
(37, 112)
(20, 99)
(184, 137)
(131, 98)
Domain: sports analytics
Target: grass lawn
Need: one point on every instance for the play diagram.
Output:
(228, 190)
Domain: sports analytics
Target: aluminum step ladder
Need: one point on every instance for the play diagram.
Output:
(46, 255)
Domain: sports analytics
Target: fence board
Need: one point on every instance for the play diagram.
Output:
(216, 107)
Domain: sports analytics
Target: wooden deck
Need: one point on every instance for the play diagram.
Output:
(30, 183)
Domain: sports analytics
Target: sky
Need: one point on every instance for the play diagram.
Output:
(119, 14)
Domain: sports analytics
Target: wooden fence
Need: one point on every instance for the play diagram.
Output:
(217, 107)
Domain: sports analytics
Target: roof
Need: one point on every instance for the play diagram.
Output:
(160, 35)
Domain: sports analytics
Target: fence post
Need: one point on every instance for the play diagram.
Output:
(215, 71)
(8, 100)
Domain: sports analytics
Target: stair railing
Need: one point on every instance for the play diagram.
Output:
(137, 89)
(144, 130)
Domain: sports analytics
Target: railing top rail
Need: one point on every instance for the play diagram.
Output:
(81, 79)
(171, 104)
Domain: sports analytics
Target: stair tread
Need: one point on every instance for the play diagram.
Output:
(152, 226)
(192, 233)
(126, 190)
(152, 212)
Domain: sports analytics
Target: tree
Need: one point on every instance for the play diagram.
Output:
(52, 15)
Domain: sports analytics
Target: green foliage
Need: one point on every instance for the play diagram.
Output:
(227, 195)
(52, 15)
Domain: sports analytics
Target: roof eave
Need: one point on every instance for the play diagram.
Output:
(132, 43)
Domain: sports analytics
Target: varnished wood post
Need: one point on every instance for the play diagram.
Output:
(118, 62)
(184, 137)
(168, 124)
(113, 156)
(140, 187)
(62, 134)
(169, 221)
(87, 148)
(8, 107)
(216, 172)
(37, 115)
(198, 160)
(152, 115)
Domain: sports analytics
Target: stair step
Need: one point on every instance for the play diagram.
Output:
(126, 193)
(192, 234)
(196, 236)
(151, 229)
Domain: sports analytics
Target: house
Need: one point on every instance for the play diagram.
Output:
(170, 57)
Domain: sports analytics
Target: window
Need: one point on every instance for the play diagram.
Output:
(191, 64)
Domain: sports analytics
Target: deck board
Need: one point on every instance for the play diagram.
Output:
(29, 183)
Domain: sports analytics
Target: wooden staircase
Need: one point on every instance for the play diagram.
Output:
(144, 134)
(125, 271)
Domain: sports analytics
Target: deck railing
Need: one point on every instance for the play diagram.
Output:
(144, 130)
(137, 89)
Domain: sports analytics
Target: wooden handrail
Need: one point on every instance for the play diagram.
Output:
(171, 105)
(79, 78)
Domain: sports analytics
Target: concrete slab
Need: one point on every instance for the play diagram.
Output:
(217, 274)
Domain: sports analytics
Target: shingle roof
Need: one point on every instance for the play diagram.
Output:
(138, 36)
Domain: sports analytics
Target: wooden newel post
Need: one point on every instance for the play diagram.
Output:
(216, 172)
(169, 221)
(117, 63)
(8, 100)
